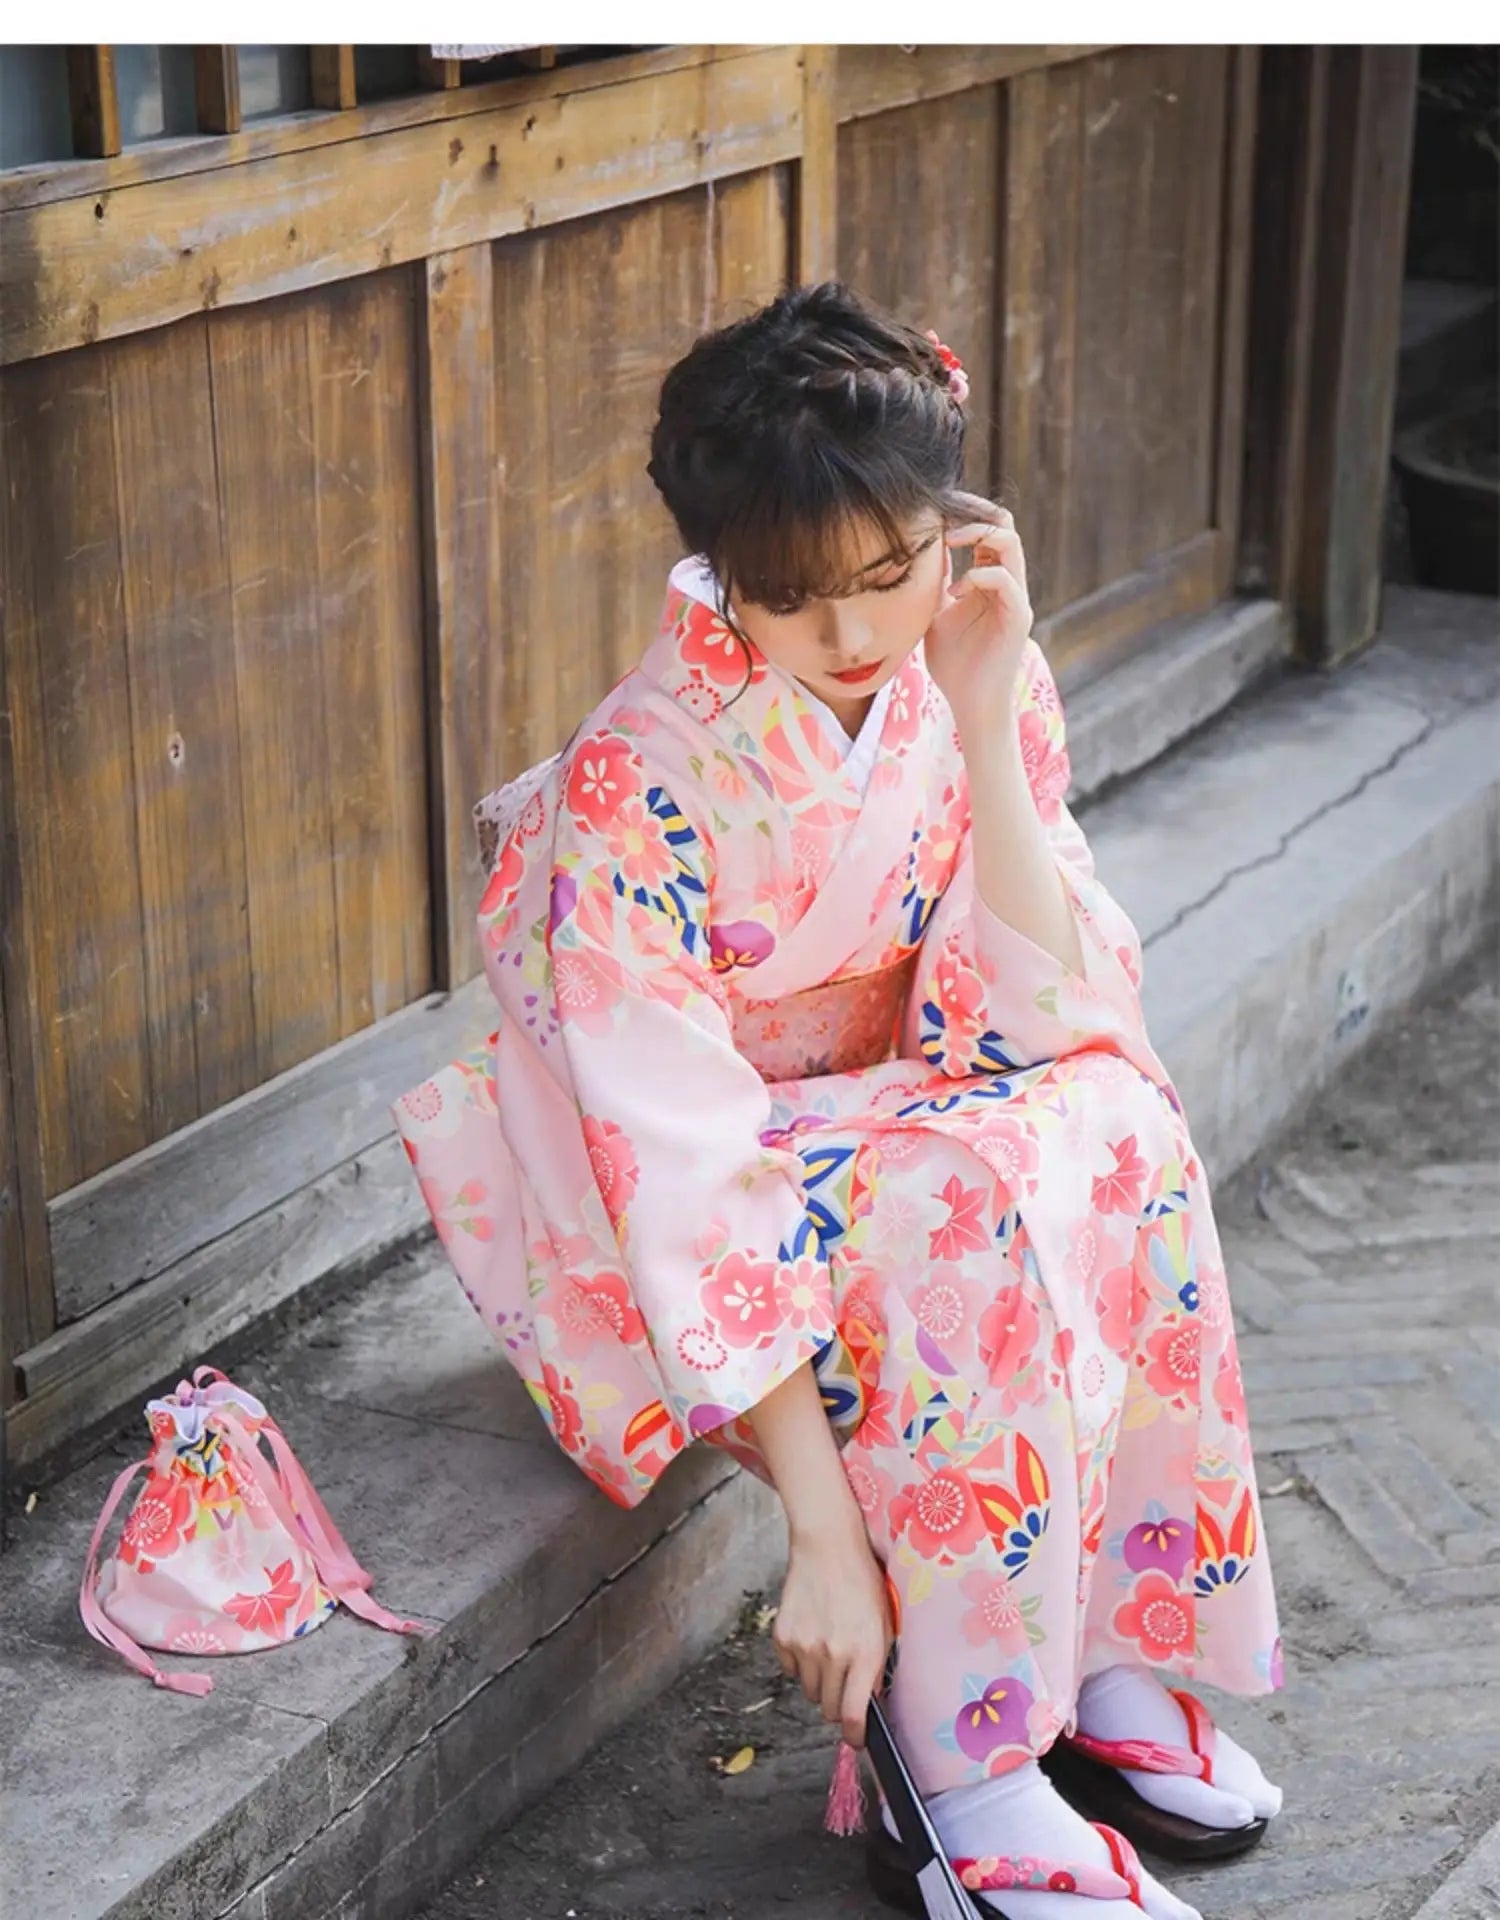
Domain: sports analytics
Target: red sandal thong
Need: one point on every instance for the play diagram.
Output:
(1086, 1772)
(893, 1880)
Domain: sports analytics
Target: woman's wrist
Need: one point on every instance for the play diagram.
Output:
(803, 1456)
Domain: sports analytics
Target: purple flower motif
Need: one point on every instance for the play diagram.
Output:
(1167, 1544)
(739, 943)
(705, 1418)
(996, 1719)
(564, 899)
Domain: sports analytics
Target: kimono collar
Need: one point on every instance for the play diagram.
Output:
(758, 710)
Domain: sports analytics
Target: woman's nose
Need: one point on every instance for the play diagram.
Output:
(848, 638)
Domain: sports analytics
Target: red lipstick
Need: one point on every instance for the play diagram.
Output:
(855, 675)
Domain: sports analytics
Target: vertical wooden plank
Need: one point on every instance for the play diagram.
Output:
(1356, 346)
(67, 692)
(1291, 118)
(216, 72)
(94, 103)
(470, 630)
(1041, 220)
(817, 220)
(26, 1303)
(369, 544)
(539, 59)
(267, 481)
(929, 254)
(432, 72)
(331, 73)
(1335, 135)
(184, 725)
(1235, 236)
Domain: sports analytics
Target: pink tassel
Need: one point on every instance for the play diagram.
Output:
(846, 1794)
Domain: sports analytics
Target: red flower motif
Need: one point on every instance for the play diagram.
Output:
(708, 645)
(1174, 1352)
(161, 1520)
(604, 774)
(265, 1612)
(606, 1306)
(1008, 1332)
(567, 1418)
(1159, 1619)
(613, 1164)
(940, 1516)
(742, 1298)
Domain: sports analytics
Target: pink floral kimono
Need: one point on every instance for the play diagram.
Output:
(770, 1083)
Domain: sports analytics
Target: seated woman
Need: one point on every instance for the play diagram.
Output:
(821, 1123)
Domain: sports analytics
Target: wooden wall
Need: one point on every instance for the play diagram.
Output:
(326, 511)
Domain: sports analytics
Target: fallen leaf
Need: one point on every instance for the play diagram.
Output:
(737, 1763)
(763, 1618)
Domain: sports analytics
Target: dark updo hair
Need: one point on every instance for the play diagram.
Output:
(779, 432)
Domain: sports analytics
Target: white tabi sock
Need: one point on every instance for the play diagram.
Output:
(1022, 1812)
(1128, 1703)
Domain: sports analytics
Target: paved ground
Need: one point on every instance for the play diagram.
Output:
(1363, 1250)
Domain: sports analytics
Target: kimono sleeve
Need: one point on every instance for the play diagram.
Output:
(720, 1253)
(987, 997)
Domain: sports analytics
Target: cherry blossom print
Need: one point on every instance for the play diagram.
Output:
(1158, 1619)
(940, 1516)
(567, 1417)
(741, 1300)
(612, 1162)
(994, 1617)
(164, 1514)
(802, 1296)
(1117, 1308)
(1173, 1352)
(637, 842)
(1011, 1151)
(709, 646)
(604, 775)
(1009, 1329)
(903, 714)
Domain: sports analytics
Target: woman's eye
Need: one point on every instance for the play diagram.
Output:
(890, 586)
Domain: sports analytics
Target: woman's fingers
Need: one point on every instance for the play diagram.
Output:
(834, 1679)
(859, 1685)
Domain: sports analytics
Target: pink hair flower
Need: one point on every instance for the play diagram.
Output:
(958, 380)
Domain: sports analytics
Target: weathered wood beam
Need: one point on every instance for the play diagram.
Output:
(331, 71)
(1237, 228)
(816, 231)
(461, 534)
(1332, 191)
(94, 102)
(216, 75)
(69, 275)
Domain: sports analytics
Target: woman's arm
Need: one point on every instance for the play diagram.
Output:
(833, 1628)
(1015, 867)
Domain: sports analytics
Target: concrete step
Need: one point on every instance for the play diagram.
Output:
(1298, 867)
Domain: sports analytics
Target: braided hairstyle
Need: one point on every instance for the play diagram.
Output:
(778, 433)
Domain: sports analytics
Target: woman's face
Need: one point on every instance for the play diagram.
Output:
(867, 630)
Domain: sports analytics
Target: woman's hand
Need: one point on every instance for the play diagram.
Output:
(977, 639)
(833, 1626)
